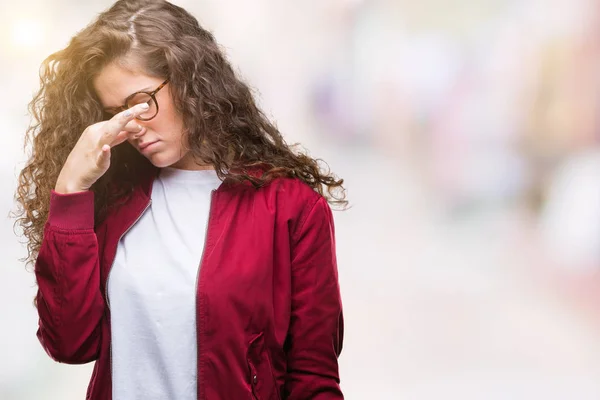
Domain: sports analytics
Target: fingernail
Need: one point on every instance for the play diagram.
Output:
(145, 105)
(127, 113)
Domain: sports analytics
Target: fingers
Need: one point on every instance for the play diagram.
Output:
(124, 135)
(123, 121)
(130, 129)
(132, 126)
(103, 160)
(131, 113)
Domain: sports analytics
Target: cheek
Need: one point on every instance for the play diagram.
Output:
(167, 125)
(170, 126)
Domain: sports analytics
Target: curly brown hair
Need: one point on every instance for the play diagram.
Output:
(224, 126)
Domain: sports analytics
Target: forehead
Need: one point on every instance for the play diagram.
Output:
(114, 83)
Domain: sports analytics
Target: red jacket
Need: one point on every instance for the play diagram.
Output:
(269, 315)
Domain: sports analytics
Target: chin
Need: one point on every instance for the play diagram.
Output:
(161, 162)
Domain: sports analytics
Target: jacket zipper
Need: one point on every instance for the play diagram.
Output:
(110, 269)
(212, 195)
(197, 273)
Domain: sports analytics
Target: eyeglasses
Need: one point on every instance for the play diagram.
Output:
(138, 98)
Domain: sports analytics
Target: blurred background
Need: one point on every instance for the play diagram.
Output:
(468, 133)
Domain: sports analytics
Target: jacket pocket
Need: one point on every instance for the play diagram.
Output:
(262, 381)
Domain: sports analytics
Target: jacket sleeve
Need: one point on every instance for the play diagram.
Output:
(69, 300)
(314, 340)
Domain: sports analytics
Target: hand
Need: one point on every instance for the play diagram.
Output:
(90, 158)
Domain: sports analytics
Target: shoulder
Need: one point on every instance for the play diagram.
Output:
(294, 189)
(289, 200)
(298, 196)
(291, 191)
(305, 211)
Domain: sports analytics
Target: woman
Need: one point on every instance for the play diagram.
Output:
(177, 240)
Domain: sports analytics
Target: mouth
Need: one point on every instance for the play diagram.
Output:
(144, 146)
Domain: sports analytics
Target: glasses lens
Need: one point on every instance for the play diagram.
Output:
(140, 98)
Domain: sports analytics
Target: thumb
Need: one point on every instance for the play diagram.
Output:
(103, 160)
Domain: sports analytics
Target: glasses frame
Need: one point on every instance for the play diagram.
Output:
(152, 94)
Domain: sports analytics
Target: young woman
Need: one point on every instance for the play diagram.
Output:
(177, 240)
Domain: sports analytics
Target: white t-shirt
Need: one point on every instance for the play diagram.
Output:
(152, 290)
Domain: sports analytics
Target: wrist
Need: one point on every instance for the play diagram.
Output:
(68, 188)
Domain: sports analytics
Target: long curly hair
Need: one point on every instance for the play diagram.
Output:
(224, 126)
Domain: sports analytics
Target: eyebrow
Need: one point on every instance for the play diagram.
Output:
(146, 89)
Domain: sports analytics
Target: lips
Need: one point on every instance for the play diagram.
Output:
(142, 146)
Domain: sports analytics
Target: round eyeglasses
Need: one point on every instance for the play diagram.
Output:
(139, 98)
